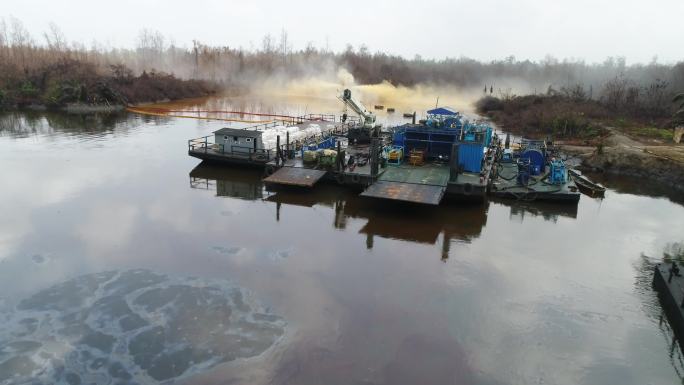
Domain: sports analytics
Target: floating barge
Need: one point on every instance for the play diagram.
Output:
(443, 156)
(669, 284)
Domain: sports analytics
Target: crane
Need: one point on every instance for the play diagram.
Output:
(367, 117)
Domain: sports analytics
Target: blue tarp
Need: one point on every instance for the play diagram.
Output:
(443, 111)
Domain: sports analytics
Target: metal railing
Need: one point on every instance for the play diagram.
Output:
(202, 183)
(322, 117)
(206, 145)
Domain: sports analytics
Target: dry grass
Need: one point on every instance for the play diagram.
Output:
(571, 119)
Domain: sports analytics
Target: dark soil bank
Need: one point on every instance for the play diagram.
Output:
(622, 155)
(609, 139)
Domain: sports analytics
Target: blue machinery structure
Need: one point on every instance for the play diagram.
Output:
(557, 172)
(442, 129)
(533, 160)
(535, 152)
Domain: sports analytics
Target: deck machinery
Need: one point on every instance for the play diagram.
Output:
(363, 130)
(446, 155)
(534, 172)
(436, 136)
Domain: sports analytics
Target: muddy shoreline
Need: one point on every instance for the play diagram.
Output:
(621, 155)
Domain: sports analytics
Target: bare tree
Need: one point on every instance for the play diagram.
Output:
(20, 36)
(267, 44)
(283, 47)
(4, 41)
(614, 91)
(55, 39)
(151, 49)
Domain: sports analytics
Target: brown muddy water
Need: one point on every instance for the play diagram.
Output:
(122, 260)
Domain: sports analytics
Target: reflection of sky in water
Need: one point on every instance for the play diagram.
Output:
(128, 326)
(527, 294)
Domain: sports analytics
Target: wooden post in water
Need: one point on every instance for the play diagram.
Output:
(287, 144)
(277, 150)
(453, 163)
(339, 153)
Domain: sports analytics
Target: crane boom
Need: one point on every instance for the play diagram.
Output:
(366, 116)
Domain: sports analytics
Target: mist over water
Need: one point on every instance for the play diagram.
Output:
(405, 98)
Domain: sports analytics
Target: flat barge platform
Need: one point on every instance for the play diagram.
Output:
(506, 185)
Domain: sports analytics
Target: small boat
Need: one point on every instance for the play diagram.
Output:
(379, 107)
(390, 109)
(585, 185)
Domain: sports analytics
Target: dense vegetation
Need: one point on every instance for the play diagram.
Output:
(55, 74)
(640, 111)
(52, 71)
(66, 81)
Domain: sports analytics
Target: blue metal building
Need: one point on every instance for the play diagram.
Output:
(443, 128)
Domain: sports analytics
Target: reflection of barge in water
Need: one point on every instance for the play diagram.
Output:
(444, 224)
(444, 155)
(439, 225)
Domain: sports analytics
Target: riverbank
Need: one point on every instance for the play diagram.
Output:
(622, 155)
(77, 86)
(638, 144)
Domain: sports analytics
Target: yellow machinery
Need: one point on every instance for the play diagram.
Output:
(417, 157)
(395, 155)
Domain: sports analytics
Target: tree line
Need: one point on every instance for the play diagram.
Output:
(646, 87)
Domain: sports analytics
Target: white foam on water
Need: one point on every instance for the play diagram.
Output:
(136, 325)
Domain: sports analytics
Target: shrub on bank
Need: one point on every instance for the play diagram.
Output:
(568, 118)
(71, 81)
(488, 104)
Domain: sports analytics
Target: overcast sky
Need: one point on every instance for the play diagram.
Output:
(482, 29)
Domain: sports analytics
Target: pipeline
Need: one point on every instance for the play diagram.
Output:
(153, 111)
(167, 110)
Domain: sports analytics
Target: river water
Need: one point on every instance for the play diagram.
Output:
(122, 260)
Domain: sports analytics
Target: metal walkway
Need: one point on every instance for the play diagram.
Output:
(295, 176)
(406, 192)
(418, 184)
